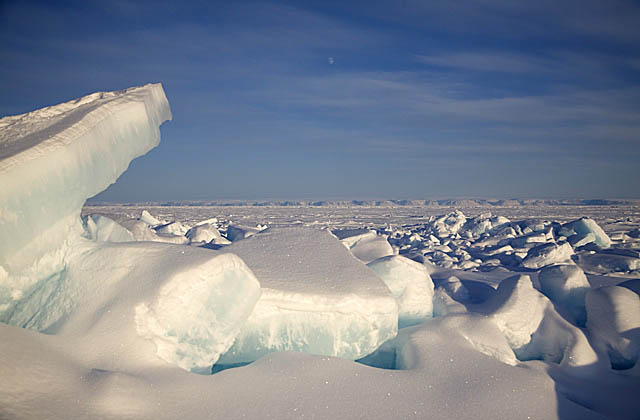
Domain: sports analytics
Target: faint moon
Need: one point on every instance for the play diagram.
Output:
(331, 60)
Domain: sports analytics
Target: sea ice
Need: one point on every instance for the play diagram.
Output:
(172, 228)
(149, 219)
(103, 229)
(613, 319)
(238, 232)
(190, 302)
(51, 161)
(567, 286)
(316, 297)
(548, 254)
(206, 233)
(586, 226)
(601, 262)
(365, 244)
(410, 284)
(533, 329)
(449, 296)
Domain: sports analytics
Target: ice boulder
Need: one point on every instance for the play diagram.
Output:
(316, 298)
(547, 254)
(567, 286)
(410, 284)
(365, 244)
(103, 229)
(51, 161)
(135, 300)
(613, 319)
(586, 226)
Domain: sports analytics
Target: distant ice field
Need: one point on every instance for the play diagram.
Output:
(613, 218)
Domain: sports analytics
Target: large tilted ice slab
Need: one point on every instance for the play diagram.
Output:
(134, 301)
(316, 298)
(52, 160)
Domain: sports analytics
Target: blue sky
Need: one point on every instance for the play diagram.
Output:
(322, 99)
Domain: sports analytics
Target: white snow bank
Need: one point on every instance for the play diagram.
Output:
(410, 284)
(190, 302)
(567, 286)
(365, 244)
(613, 319)
(448, 378)
(316, 298)
(51, 161)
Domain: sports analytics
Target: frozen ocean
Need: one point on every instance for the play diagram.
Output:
(397, 309)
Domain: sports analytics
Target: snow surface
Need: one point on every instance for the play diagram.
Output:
(535, 311)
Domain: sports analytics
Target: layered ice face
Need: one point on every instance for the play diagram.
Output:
(51, 161)
(316, 298)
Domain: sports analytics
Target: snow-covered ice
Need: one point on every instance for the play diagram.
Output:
(316, 297)
(547, 254)
(613, 319)
(566, 285)
(588, 228)
(410, 285)
(365, 244)
(535, 312)
(103, 229)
